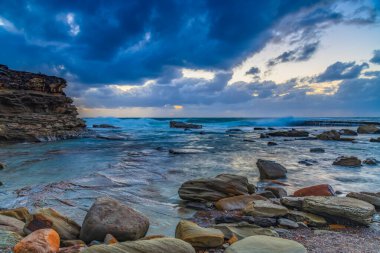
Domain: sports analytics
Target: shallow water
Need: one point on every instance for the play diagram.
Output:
(136, 167)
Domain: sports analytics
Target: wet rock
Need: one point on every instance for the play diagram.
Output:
(310, 219)
(8, 240)
(370, 161)
(70, 243)
(265, 244)
(263, 208)
(104, 126)
(259, 128)
(270, 169)
(315, 190)
(110, 239)
(264, 136)
(317, 150)
(2, 166)
(287, 223)
(271, 143)
(108, 216)
(290, 133)
(214, 189)
(243, 230)
(159, 245)
(11, 224)
(21, 213)
(308, 162)
(375, 139)
(249, 140)
(259, 221)
(112, 137)
(236, 202)
(197, 236)
(267, 194)
(370, 197)
(179, 124)
(278, 192)
(340, 208)
(349, 161)
(185, 151)
(198, 205)
(368, 129)
(348, 132)
(292, 202)
(331, 135)
(234, 131)
(40, 241)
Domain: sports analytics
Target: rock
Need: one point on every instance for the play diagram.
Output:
(66, 228)
(292, 202)
(370, 197)
(178, 124)
(287, 223)
(40, 241)
(11, 224)
(234, 131)
(214, 189)
(108, 216)
(197, 236)
(368, 129)
(290, 133)
(331, 135)
(35, 108)
(236, 202)
(110, 239)
(348, 132)
(310, 219)
(159, 245)
(342, 209)
(104, 126)
(271, 143)
(249, 140)
(370, 161)
(264, 136)
(8, 240)
(243, 230)
(264, 208)
(70, 243)
(265, 244)
(72, 249)
(185, 151)
(259, 128)
(270, 169)
(21, 213)
(349, 161)
(267, 194)
(308, 162)
(315, 190)
(375, 139)
(259, 221)
(279, 192)
(2, 166)
(317, 150)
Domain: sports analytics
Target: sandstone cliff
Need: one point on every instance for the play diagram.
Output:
(33, 107)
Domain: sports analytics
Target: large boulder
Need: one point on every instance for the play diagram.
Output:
(11, 224)
(214, 189)
(340, 209)
(265, 208)
(21, 213)
(197, 236)
(65, 227)
(236, 202)
(348, 161)
(40, 241)
(179, 124)
(370, 197)
(270, 169)
(109, 216)
(368, 129)
(315, 190)
(159, 245)
(290, 133)
(266, 244)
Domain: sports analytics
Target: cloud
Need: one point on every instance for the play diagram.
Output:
(300, 54)
(376, 57)
(253, 71)
(341, 71)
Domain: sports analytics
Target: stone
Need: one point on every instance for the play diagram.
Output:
(35, 108)
(234, 131)
(368, 129)
(278, 192)
(271, 143)
(11, 224)
(264, 208)
(370, 197)
(341, 209)
(259, 128)
(310, 219)
(375, 139)
(259, 221)
(159, 245)
(308, 162)
(270, 169)
(197, 236)
(2, 166)
(185, 151)
(40, 241)
(72, 249)
(236, 202)
(104, 126)
(8, 240)
(370, 161)
(108, 216)
(214, 189)
(348, 132)
(264, 136)
(267, 194)
(178, 124)
(287, 223)
(70, 243)
(348, 161)
(21, 213)
(315, 190)
(243, 230)
(266, 244)
(290, 133)
(110, 239)
(249, 140)
(292, 202)
(317, 150)
(331, 135)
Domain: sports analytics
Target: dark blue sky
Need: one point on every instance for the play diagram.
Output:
(128, 57)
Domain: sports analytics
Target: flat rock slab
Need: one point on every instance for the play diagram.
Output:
(244, 230)
(236, 202)
(370, 197)
(264, 208)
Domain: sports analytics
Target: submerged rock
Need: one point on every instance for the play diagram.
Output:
(331, 135)
(2, 166)
(271, 143)
(264, 208)
(317, 150)
(370, 161)
(236, 202)
(266, 244)
(375, 139)
(179, 124)
(108, 216)
(214, 189)
(308, 162)
(290, 133)
(185, 151)
(270, 169)
(104, 126)
(368, 129)
(370, 197)
(315, 190)
(349, 161)
(40, 241)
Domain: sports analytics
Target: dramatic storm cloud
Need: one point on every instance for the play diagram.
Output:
(207, 55)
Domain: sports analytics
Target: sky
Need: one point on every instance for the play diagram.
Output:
(202, 58)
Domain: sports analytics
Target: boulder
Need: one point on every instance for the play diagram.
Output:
(370, 161)
(197, 236)
(178, 124)
(292, 202)
(108, 216)
(11, 224)
(40, 241)
(317, 150)
(266, 244)
(236, 202)
(159, 245)
(310, 219)
(368, 129)
(290, 133)
(375, 139)
(214, 189)
(270, 169)
(348, 161)
(315, 190)
(66, 228)
(265, 208)
(370, 197)
(279, 192)
(21, 213)
(340, 209)
(282, 222)
(243, 230)
(331, 135)
(8, 240)
(348, 132)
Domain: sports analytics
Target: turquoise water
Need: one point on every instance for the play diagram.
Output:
(134, 165)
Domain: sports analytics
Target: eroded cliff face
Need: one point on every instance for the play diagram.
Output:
(33, 107)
